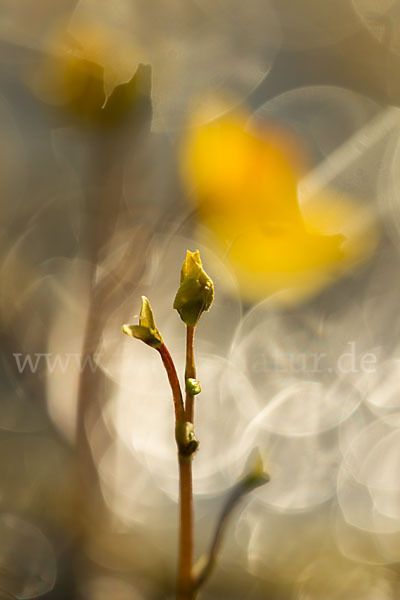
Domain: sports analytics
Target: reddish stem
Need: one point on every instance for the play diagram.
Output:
(184, 578)
(185, 588)
(174, 383)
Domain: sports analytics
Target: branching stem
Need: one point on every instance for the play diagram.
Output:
(185, 563)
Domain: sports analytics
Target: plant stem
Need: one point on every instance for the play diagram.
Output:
(190, 372)
(184, 579)
(174, 383)
(256, 477)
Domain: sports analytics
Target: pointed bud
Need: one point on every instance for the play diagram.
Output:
(196, 291)
(146, 317)
(146, 331)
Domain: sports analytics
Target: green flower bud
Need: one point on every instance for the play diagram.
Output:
(193, 386)
(196, 291)
(146, 331)
(255, 474)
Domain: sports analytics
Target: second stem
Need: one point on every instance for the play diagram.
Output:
(190, 372)
(185, 583)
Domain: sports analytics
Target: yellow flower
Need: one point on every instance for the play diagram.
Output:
(246, 195)
(83, 62)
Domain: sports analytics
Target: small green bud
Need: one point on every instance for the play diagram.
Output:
(146, 331)
(185, 438)
(196, 291)
(193, 386)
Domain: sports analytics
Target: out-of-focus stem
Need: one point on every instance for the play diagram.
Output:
(249, 482)
(190, 372)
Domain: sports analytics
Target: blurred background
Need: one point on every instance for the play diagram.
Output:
(266, 134)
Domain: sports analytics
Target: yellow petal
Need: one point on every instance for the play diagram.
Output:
(246, 194)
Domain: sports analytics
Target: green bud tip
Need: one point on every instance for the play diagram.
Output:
(196, 291)
(255, 473)
(193, 386)
(147, 330)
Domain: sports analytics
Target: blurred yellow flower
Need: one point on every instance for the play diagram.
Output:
(78, 55)
(246, 192)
